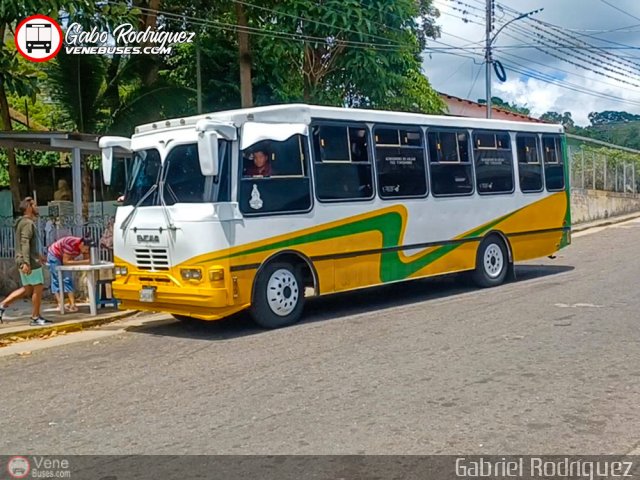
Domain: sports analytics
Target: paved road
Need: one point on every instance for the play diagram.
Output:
(548, 364)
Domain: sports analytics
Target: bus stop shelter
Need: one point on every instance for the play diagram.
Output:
(77, 144)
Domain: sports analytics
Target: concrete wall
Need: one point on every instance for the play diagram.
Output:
(590, 205)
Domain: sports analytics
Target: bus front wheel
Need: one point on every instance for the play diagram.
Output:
(278, 296)
(492, 262)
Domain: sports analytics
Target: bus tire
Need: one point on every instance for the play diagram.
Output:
(278, 296)
(492, 262)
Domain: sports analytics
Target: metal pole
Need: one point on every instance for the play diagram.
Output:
(582, 165)
(604, 184)
(76, 180)
(570, 157)
(593, 161)
(624, 177)
(198, 78)
(488, 58)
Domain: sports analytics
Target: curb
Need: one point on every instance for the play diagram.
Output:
(580, 227)
(31, 332)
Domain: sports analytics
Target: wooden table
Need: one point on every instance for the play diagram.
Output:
(91, 281)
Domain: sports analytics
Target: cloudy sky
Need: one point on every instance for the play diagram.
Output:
(588, 56)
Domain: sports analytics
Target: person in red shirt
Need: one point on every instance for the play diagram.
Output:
(261, 165)
(65, 252)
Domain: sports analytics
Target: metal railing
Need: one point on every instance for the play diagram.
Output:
(596, 165)
(50, 231)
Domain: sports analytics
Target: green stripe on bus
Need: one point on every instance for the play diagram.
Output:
(389, 225)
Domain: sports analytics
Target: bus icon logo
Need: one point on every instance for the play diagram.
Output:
(18, 467)
(38, 38)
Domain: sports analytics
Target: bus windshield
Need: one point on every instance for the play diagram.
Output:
(145, 171)
(183, 180)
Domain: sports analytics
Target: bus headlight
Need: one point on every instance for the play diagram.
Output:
(191, 273)
(122, 271)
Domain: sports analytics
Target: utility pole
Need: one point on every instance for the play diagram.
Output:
(487, 57)
(489, 41)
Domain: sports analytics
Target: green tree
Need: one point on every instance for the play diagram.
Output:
(511, 107)
(609, 117)
(554, 117)
(353, 52)
(14, 78)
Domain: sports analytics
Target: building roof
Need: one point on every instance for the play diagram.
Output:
(466, 108)
(50, 141)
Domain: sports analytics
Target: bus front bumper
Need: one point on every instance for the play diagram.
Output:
(203, 302)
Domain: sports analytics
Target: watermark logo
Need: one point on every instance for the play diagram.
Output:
(18, 467)
(38, 38)
(124, 39)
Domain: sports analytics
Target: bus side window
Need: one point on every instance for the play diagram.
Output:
(529, 164)
(450, 167)
(493, 162)
(400, 162)
(341, 162)
(275, 177)
(553, 164)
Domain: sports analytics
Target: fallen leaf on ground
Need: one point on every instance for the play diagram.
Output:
(24, 354)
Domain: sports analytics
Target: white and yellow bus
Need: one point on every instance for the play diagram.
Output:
(258, 208)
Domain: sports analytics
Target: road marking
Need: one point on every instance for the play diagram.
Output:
(577, 305)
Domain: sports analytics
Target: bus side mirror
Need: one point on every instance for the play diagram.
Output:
(208, 152)
(107, 164)
(107, 144)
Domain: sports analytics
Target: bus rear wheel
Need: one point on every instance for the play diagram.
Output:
(278, 296)
(492, 262)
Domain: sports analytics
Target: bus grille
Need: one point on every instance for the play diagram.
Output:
(152, 259)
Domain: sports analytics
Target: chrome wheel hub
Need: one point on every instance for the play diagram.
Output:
(493, 260)
(282, 292)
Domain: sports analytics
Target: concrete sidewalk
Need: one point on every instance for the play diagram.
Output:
(17, 317)
(603, 222)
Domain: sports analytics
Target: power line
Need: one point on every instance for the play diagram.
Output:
(546, 78)
(608, 62)
(272, 33)
(619, 9)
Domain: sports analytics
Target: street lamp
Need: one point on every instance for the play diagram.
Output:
(489, 41)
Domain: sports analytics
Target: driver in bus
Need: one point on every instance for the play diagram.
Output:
(261, 166)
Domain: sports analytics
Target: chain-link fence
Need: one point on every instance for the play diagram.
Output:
(97, 229)
(600, 166)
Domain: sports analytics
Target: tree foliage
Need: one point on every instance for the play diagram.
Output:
(356, 53)
(554, 117)
(511, 107)
(610, 117)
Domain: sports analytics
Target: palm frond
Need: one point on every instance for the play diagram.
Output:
(77, 82)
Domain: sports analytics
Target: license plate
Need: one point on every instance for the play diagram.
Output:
(148, 294)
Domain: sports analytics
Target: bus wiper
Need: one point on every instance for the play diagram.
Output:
(165, 209)
(131, 215)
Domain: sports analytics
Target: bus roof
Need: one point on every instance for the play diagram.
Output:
(302, 113)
